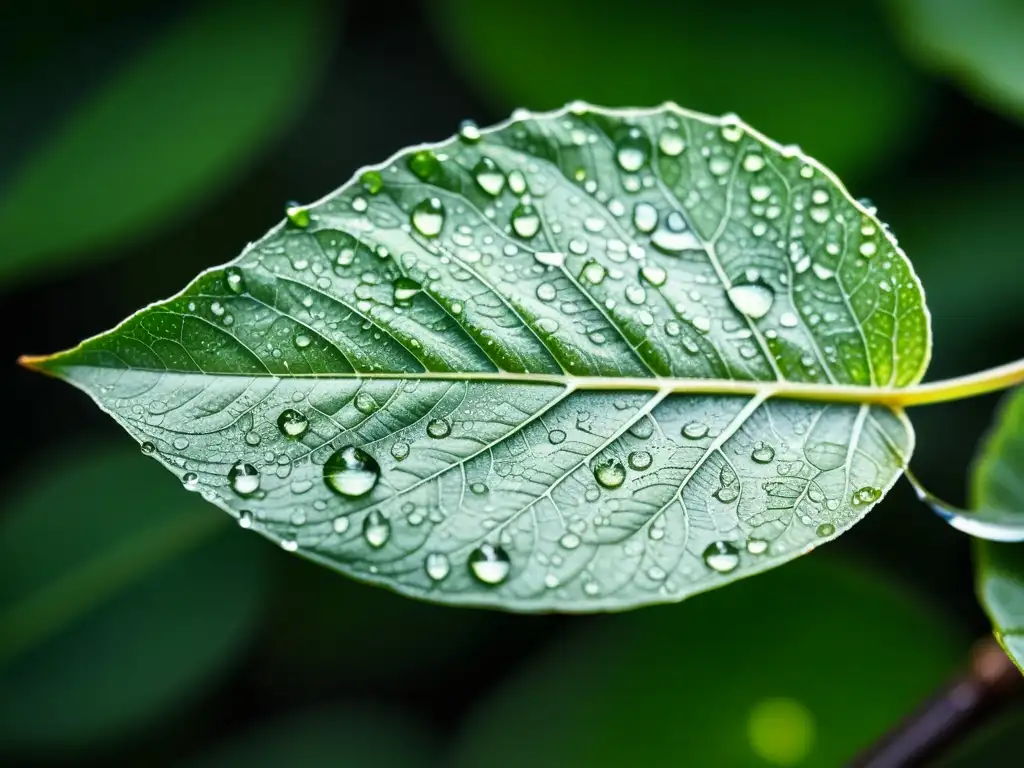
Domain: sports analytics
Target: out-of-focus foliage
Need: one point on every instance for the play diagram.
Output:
(734, 678)
(177, 123)
(979, 43)
(999, 485)
(994, 744)
(119, 598)
(353, 736)
(833, 82)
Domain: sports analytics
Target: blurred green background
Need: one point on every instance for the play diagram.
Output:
(139, 145)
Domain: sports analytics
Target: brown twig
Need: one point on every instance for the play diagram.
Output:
(950, 714)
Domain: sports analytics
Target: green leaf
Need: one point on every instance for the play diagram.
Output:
(784, 670)
(998, 486)
(834, 82)
(174, 126)
(353, 736)
(541, 368)
(977, 44)
(121, 597)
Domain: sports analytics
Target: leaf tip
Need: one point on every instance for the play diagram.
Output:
(38, 363)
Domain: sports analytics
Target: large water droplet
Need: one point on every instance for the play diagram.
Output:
(525, 221)
(244, 479)
(372, 182)
(438, 428)
(424, 164)
(376, 529)
(593, 273)
(632, 149)
(645, 217)
(437, 566)
(762, 453)
(752, 299)
(428, 217)
(721, 556)
(489, 176)
(695, 430)
(400, 450)
(643, 428)
(866, 495)
(292, 424)
(490, 564)
(351, 472)
(405, 290)
(639, 460)
(609, 472)
(673, 236)
(297, 214)
(365, 403)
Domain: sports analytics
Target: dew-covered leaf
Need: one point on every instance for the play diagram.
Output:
(998, 486)
(976, 43)
(583, 360)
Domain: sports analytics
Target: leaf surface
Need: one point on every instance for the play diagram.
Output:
(545, 366)
(998, 485)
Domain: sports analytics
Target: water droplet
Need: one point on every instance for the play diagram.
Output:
(695, 430)
(525, 221)
(297, 214)
(302, 341)
(148, 448)
(190, 480)
(671, 143)
(721, 556)
(569, 541)
(546, 292)
(489, 176)
(478, 488)
(292, 424)
(788, 320)
(340, 524)
(757, 546)
(376, 529)
(636, 294)
(372, 182)
(234, 280)
(673, 236)
(752, 299)
(593, 273)
(438, 428)
(654, 275)
(244, 479)
(826, 529)
(866, 495)
(437, 565)
(351, 472)
(245, 519)
(550, 258)
(424, 164)
(639, 460)
(365, 403)
(753, 163)
(490, 564)
(469, 132)
(400, 451)
(556, 436)
(289, 545)
(632, 149)
(428, 217)
(645, 217)
(405, 290)
(643, 428)
(609, 472)
(762, 453)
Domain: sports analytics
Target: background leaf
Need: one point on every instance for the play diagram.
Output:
(833, 82)
(976, 43)
(356, 735)
(999, 486)
(422, 420)
(171, 128)
(120, 599)
(639, 689)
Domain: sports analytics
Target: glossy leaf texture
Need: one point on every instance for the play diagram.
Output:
(977, 44)
(534, 367)
(998, 485)
(178, 122)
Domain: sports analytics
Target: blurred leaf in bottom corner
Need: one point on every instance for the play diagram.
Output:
(120, 596)
(180, 121)
(802, 666)
(354, 736)
(828, 76)
(993, 744)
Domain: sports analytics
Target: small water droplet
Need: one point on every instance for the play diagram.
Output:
(695, 430)
(469, 132)
(632, 149)
(757, 546)
(428, 217)
(569, 541)
(643, 428)
(340, 524)
(609, 472)
(866, 495)
(654, 275)
(593, 273)
(190, 480)
(639, 460)
(437, 566)
(645, 217)
(244, 479)
(400, 450)
(405, 290)
(489, 564)
(302, 340)
(826, 529)
(525, 221)
(753, 299)
(671, 143)
(376, 529)
(297, 214)
(489, 177)
(762, 453)
(478, 488)
(546, 292)
(289, 545)
(365, 403)
(438, 428)
(245, 519)
(556, 436)
(424, 164)
(673, 236)
(148, 448)
(234, 280)
(721, 556)
(351, 472)
(292, 424)
(788, 320)
(372, 182)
